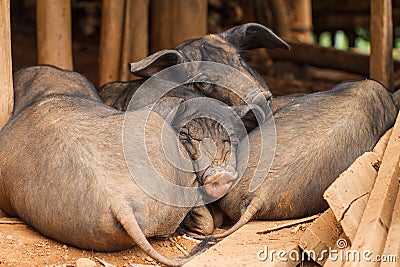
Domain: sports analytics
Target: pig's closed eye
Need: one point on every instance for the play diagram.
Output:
(205, 87)
(184, 136)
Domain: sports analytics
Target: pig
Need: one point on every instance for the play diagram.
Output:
(63, 169)
(318, 137)
(224, 48)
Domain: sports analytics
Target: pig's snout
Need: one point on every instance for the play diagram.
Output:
(218, 182)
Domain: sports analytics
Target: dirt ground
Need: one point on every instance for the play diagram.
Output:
(22, 246)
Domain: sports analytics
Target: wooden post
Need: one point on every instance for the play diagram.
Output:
(281, 19)
(6, 86)
(54, 39)
(110, 40)
(135, 39)
(302, 26)
(381, 60)
(173, 21)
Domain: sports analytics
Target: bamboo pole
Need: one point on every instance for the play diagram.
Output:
(110, 40)
(173, 21)
(54, 33)
(135, 37)
(6, 86)
(381, 60)
(281, 19)
(302, 26)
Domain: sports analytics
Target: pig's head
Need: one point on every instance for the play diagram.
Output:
(211, 141)
(224, 48)
(208, 143)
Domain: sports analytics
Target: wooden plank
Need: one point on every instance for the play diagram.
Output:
(110, 40)
(373, 229)
(135, 36)
(320, 236)
(245, 246)
(54, 40)
(335, 259)
(380, 147)
(381, 61)
(6, 86)
(348, 195)
(173, 21)
(392, 246)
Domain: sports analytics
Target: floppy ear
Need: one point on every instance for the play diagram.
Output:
(251, 36)
(252, 115)
(156, 62)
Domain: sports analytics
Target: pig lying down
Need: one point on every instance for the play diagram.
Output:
(64, 173)
(225, 48)
(318, 137)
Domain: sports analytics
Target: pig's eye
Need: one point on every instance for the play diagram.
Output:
(205, 87)
(184, 135)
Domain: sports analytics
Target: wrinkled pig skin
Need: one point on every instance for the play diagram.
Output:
(63, 169)
(318, 137)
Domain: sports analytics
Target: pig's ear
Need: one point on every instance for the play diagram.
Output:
(252, 115)
(251, 36)
(156, 62)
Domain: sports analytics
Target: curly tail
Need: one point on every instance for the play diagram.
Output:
(124, 215)
(254, 206)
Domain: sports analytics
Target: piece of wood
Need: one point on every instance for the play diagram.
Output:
(110, 40)
(325, 57)
(348, 195)
(173, 21)
(184, 252)
(11, 221)
(245, 247)
(381, 60)
(336, 259)
(6, 89)
(135, 39)
(392, 246)
(320, 236)
(302, 26)
(281, 18)
(380, 147)
(126, 42)
(289, 224)
(140, 32)
(54, 37)
(373, 229)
